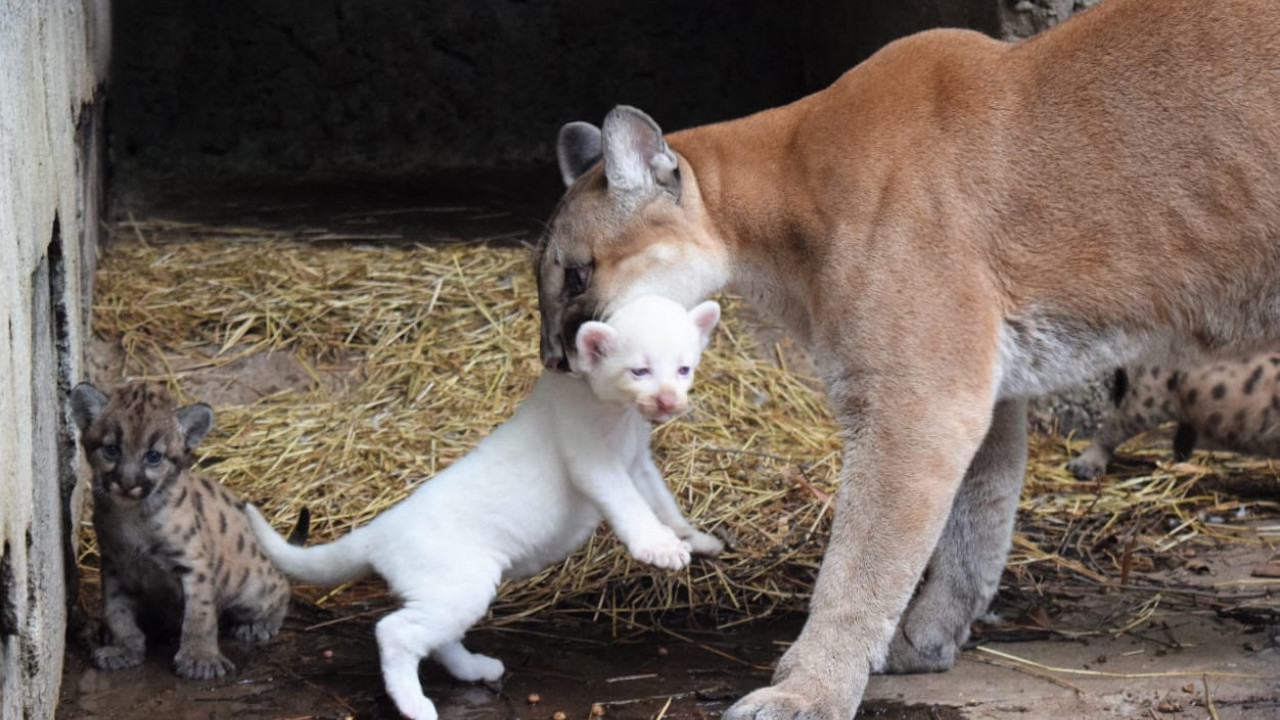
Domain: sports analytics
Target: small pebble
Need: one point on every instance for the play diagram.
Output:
(534, 698)
(327, 653)
(597, 710)
(663, 652)
(558, 716)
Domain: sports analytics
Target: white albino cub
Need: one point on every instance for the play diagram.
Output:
(575, 452)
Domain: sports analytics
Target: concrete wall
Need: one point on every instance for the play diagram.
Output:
(53, 57)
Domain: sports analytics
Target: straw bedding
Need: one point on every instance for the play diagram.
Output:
(437, 344)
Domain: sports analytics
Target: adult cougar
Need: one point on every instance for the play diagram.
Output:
(953, 226)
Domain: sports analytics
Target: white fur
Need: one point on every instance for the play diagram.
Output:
(533, 491)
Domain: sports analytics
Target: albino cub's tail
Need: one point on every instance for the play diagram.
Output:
(340, 561)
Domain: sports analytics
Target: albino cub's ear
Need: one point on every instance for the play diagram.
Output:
(87, 403)
(595, 341)
(195, 422)
(705, 316)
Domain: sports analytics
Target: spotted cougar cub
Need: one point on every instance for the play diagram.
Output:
(1227, 405)
(171, 543)
(575, 452)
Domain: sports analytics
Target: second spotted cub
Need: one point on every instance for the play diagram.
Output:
(174, 545)
(1230, 405)
(575, 452)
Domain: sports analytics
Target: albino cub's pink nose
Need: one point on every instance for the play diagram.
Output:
(666, 400)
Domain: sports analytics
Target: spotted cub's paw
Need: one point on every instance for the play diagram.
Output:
(703, 543)
(202, 665)
(115, 657)
(1088, 465)
(663, 550)
(255, 632)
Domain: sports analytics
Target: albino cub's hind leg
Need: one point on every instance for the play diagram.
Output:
(466, 665)
(427, 624)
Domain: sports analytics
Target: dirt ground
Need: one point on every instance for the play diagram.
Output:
(1052, 652)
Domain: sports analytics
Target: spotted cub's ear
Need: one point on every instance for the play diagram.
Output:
(705, 316)
(595, 342)
(87, 403)
(195, 422)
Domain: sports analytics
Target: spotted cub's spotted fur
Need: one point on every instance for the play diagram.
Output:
(1232, 405)
(174, 545)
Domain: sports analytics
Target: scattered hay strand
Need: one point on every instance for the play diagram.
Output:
(413, 353)
(1020, 661)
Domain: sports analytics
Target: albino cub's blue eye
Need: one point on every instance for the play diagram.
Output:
(684, 370)
(152, 457)
(639, 372)
(111, 452)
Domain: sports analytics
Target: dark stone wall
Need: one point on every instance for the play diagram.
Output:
(253, 86)
(325, 87)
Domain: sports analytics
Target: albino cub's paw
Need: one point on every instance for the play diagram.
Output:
(115, 657)
(703, 543)
(662, 549)
(419, 708)
(483, 668)
(202, 665)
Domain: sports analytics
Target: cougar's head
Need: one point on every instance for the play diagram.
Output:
(631, 223)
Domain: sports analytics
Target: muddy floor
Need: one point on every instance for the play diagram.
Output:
(1059, 650)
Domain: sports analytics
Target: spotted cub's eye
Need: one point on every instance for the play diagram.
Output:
(576, 279)
(639, 372)
(152, 457)
(111, 452)
(684, 370)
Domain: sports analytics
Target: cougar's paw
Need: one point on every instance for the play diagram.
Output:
(1087, 465)
(780, 702)
(930, 652)
(701, 543)
(115, 657)
(202, 665)
(662, 549)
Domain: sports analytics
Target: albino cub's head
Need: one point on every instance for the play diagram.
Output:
(138, 438)
(645, 354)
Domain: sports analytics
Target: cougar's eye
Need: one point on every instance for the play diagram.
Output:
(639, 372)
(111, 452)
(152, 457)
(576, 279)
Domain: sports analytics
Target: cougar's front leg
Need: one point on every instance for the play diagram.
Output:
(964, 573)
(908, 442)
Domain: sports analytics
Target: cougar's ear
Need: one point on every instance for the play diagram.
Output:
(87, 403)
(636, 157)
(595, 341)
(195, 422)
(705, 315)
(577, 149)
